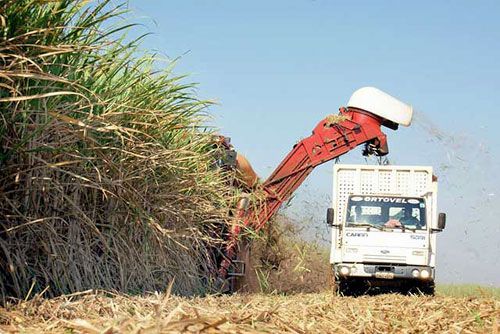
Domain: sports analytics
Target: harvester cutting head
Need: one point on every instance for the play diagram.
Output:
(382, 108)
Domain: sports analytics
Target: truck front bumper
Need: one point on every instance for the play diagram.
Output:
(383, 271)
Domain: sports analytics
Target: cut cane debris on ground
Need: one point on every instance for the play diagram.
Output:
(253, 313)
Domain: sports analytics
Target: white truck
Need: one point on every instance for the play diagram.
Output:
(384, 222)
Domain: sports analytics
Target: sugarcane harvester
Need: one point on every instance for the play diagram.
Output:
(357, 124)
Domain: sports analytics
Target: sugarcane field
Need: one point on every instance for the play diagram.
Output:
(303, 166)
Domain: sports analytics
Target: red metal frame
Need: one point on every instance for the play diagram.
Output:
(328, 141)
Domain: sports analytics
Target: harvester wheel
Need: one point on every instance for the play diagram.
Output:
(249, 281)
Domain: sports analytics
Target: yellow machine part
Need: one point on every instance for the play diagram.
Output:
(245, 171)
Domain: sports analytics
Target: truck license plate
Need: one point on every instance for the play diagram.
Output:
(384, 275)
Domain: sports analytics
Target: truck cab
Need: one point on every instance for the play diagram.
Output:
(384, 222)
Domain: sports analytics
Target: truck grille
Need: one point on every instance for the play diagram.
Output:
(384, 258)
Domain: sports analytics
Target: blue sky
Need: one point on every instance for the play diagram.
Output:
(278, 67)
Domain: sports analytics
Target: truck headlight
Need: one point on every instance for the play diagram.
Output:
(344, 271)
(415, 273)
(425, 274)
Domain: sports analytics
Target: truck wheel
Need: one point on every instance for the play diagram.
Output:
(343, 288)
(349, 288)
(333, 283)
(427, 289)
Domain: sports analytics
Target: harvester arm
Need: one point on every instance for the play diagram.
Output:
(331, 138)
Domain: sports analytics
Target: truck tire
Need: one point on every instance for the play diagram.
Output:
(349, 288)
(343, 288)
(425, 288)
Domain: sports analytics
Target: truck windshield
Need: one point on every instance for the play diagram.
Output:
(386, 212)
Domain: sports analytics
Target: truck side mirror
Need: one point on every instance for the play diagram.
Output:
(441, 221)
(330, 216)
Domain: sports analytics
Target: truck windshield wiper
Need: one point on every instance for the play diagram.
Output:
(366, 225)
(404, 228)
